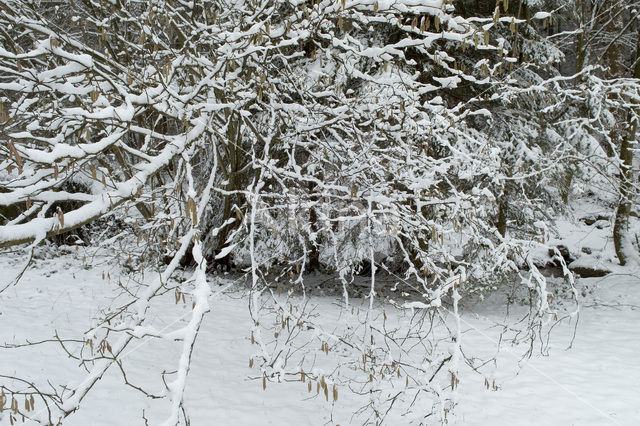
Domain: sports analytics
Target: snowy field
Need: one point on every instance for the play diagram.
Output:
(596, 382)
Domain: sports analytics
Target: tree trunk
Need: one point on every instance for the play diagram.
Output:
(621, 225)
(623, 135)
(502, 216)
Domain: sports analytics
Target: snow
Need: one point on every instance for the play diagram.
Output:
(332, 139)
(596, 382)
(541, 15)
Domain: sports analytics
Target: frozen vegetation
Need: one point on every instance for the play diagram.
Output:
(319, 212)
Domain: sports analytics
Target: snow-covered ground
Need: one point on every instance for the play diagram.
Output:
(596, 382)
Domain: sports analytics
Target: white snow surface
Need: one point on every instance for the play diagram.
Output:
(596, 382)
